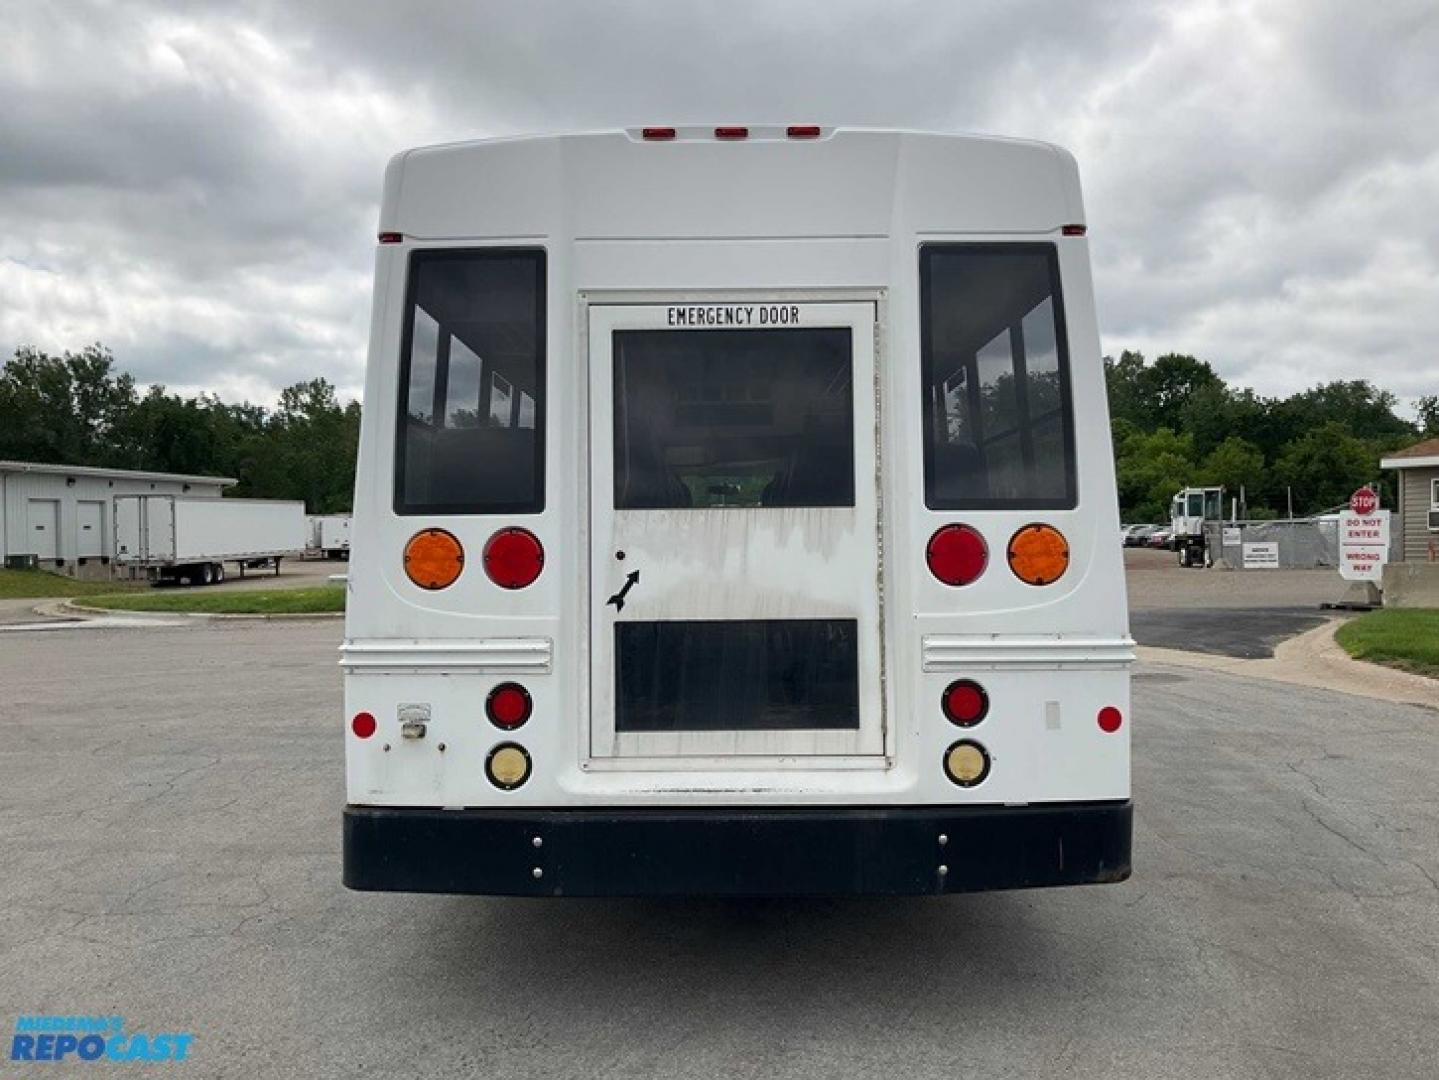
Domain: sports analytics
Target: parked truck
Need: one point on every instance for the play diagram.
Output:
(175, 538)
(1189, 511)
(329, 535)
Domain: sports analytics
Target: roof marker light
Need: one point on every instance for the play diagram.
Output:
(1073, 230)
(658, 134)
(391, 237)
(803, 131)
(731, 133)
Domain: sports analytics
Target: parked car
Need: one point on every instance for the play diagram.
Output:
(1138, 535)
(1161, 537)
(1126, 534)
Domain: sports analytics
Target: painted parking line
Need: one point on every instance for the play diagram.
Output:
(105, 622)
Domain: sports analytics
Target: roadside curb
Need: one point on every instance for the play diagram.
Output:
(74, 609)
(1313, 659)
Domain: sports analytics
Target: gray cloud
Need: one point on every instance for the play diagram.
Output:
(195, 184)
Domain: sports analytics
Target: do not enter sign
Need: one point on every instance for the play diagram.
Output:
(1364, 501)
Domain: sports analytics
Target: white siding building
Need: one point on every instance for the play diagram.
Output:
(61, 517)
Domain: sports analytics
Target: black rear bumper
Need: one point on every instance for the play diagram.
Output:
(822, 851)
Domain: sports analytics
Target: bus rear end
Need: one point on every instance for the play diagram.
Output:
(735, 515)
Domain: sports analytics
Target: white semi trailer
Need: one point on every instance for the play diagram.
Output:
(175, 538)
(329, 535)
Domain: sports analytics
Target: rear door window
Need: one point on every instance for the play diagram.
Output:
(733, 418)
(472, 384)
(998, 426)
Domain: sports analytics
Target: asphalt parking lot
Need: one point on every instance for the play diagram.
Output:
(169, 852)
(1236, 613)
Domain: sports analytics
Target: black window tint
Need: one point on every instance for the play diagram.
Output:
(998, 431)
(746, 675)
(733, 418)
(472, 374)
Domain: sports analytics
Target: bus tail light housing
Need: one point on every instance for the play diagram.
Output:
(965, 703)
(363, 725)
(434, 559)
(513, 558)
(508, 766)
(966, 763)
(1038, 554)
(957, 554)
(508, 705)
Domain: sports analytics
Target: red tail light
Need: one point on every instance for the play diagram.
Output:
(965, 703)
(731, 133)
(363, 725)
(659, 134)
(802, 131)
(957, 554)
(513, 558)
(508, 705)
(1110, 719)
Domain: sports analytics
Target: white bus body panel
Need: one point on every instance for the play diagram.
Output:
(841, 221)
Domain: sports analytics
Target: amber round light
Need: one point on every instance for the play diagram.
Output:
(965, 703)
(513, 558)
(1038, 554)
(957, 554)
(434, 559)
(508, 766)
(966, 763)
(508, 705)
(1110, 719)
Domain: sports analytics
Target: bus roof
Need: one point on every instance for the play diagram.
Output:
(617, 185)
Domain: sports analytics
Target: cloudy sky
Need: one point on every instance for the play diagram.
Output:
(195, 184)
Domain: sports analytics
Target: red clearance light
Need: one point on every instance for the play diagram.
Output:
(508, 705)
(391, 237)
(965, 703)
(956, 554)
(731, 133)
(1073, 230)
(513, 558)
(1110, 719)
(657, 133)
(802, 131)
(363, 725)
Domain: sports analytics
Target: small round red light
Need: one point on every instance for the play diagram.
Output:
(1110, 719)
(965, 703)
(363, 725)
(508, 705)
(957, 554)
(513, 558)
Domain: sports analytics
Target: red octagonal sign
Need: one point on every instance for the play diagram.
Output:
(1364, 501)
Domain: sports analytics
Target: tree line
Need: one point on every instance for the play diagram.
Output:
(76, 409)
(1176, 423)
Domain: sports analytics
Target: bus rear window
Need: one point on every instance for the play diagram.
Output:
(998, 429)
(471, 430)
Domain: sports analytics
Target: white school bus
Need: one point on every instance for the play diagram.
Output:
(735, 515)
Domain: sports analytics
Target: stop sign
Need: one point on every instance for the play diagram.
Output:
(1364, 501)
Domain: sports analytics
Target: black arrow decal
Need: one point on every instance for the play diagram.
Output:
(619, 598)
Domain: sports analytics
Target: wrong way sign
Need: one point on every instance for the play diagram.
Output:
(1363, 545)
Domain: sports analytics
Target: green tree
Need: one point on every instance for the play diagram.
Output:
(1151, 467)
(1428, 408)
(1233, 464)
(1323, 466)
(60, 409)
